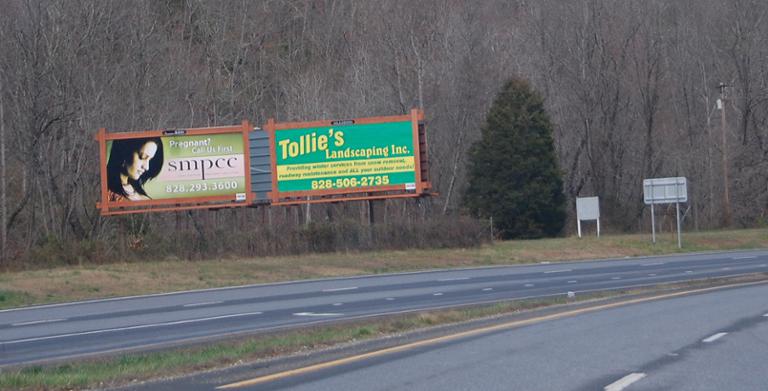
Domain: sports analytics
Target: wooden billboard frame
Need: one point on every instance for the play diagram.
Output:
(348, 194)
(108, 208)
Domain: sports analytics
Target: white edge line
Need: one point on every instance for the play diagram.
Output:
(38, 322)
(676, 257)
(714, 337)
(316, 314)
(487, 289)
(202, 304)
(142, 326)
(453, 279)
(349, 288)
(748, 257)
(559, 271)
(624, 382)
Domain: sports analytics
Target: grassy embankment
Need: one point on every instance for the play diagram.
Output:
(120, 279)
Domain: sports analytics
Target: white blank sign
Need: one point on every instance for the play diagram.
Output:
(665, 190)
(587, 208)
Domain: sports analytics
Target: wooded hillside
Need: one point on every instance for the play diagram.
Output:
(631, 86)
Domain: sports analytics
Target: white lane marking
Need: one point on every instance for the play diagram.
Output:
(652, 275)
(747, 257)
(142, 326)
(689, 271)
(714, 337)
(653, 264)
(389, 298)
(726, 268)
(624, 382)
(453, 279)
(316, 314)
(559, 271)
(487, 289)
(615, 278)
(349, 288)
(38, 322)
(573, 281)
(529, 285)
(766, 315)
(337, 304)
(202, 304)
(437, 294)
(763, 265)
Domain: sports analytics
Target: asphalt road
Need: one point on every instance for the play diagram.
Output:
(714, 341)
(63, 331)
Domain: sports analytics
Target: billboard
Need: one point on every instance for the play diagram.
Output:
(363, 155)
(176, 169)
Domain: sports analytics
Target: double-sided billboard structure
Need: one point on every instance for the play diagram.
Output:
(307, 162)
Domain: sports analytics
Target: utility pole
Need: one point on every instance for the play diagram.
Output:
(724, 146)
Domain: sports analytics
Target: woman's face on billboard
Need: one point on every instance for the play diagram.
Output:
(141, 160)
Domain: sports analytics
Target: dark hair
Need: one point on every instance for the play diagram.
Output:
(121, 156)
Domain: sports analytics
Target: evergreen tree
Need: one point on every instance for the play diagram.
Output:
(513, 173)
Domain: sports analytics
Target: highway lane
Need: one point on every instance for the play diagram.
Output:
(711, 341)
(42, 333)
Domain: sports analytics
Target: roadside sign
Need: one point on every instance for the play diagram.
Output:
(343, 157)
(587, 208)
(165, 170)
(665, 191)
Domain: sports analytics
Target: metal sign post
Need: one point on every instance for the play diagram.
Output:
(666, 191)
(653, 225)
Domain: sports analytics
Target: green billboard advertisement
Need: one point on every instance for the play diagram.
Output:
(339, 158)
(169, 167)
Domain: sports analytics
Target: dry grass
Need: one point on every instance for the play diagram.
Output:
(152, 276)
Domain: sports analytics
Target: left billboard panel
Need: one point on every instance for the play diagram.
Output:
(162, 170)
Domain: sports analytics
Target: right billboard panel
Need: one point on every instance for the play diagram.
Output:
(351, 156)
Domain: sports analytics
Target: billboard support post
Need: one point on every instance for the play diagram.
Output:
(270, 129)
(246, 127)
